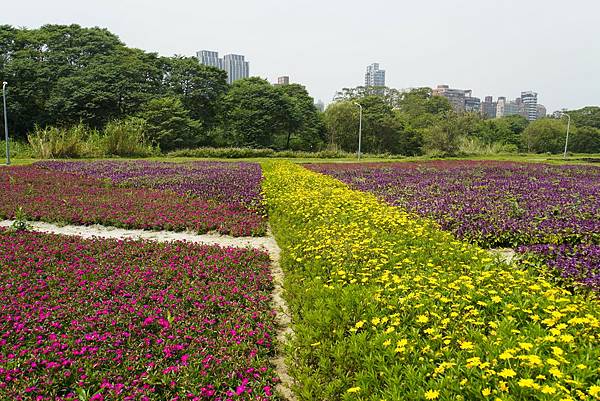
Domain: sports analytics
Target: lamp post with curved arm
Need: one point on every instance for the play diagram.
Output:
(567, 139)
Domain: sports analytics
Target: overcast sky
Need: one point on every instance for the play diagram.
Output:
(495, 47)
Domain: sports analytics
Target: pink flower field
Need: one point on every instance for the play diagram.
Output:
(131, 320)
(64, 197)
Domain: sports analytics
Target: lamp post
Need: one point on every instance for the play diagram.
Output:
(359, 127)
(568, 127)
(5, 123)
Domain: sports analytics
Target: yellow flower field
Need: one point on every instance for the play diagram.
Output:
(386, 306)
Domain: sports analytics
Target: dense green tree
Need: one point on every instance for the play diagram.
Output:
(421, 108)
(111, 87)
(341, 122)
(545, 135)
(254, 112)
(587, 116)
(169, 125)
(443, 138)
(585, 140)
(199, 87)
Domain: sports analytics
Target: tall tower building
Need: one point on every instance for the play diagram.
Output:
(236, 67)
(211, 58)
(374, 76)
(530, 103)
(234, 64)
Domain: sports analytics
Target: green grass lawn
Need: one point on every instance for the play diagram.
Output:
(591, 159)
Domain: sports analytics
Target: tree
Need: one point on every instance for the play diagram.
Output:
(544, 135)
(169, 125)
(341, 122)
(254, 113)
(111, 87)
(442, 139)
(421, 108)
(587, 116)
(585, 140)
(304, 128)
(199, 87)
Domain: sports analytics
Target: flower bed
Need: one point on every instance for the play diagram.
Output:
(386, 306)
(231, 183)
(493, 204)
(57, 196)
(114, 320)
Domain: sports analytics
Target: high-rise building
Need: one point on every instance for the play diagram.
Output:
(283, 80)
(374, 76)
(236, 67)
(530, 104)
(234, 64)
(541, 111)
(488, 107)
(461, 99)
(320, 105)
(472, 104)
(211, 58)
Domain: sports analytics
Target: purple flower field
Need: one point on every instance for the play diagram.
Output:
(133, 320)
(494, 204)
(234, 183)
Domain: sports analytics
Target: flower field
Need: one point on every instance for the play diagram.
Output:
(113, 320)
(496, 204)
(231, 183)
(58, 196)
(387, 306)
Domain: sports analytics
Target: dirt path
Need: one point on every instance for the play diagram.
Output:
(267, 243)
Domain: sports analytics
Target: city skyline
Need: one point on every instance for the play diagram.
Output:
(420, 44)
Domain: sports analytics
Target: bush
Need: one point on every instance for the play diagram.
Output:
(20, 150)
(245, 153)
(55, 142)
(473, 146)
(385, 305)
(126, 138)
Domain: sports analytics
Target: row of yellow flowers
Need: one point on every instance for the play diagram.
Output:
(386, 306)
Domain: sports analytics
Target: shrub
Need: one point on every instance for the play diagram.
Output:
(474, 146)
(126, 137)
(244, 153)
(55, 142)
(385, 305)
(18, 149)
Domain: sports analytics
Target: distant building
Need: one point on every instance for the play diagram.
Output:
(320, 105)
(210, 58)
(472, 104)
(234, 64)
(541, 111)
(460, 99)
(374, 76)
(283, 80)
(488, 107)
(530, 103)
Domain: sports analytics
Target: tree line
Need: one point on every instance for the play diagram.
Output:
(71, 76)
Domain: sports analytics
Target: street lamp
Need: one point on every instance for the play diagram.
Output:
(5, 123)
(568, 126)
(359, 127)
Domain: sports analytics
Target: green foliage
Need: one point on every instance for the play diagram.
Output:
(304, 128)
(545, 135)
(442, 139)
(473, 146)
(245, 153)
(585, 140)
(169, 125)
(126, 137)
(18, 149)
(20, 221)
(57, 142)
(587, 116)
(254, 113)
(199, 87)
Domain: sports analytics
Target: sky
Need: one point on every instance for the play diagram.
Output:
(494, 47)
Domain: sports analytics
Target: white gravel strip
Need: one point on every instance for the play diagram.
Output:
(267, 243)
